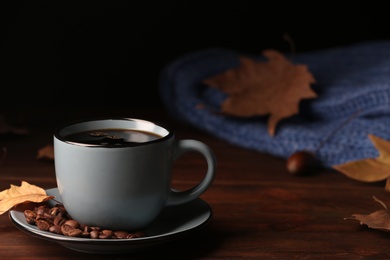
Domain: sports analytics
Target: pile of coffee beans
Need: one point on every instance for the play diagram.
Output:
(57, 220)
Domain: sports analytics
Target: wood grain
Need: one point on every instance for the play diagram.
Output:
(259, 210)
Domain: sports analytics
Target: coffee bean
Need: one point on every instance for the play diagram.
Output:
(70, 231)
(40, 211)
(121, 234)
(30, 216)
(57, 220)
(47, 215)
(104, 234)
(55, 211)
(43, 224)
(94, 234)
(96, 228)
(73, 223)
(55, 229)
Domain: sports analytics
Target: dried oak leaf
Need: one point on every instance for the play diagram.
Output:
(24, 193)
(370, 169)
(379, 219)
(272, 88)
(46, 153)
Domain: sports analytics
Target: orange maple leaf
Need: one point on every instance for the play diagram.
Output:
(272, 88)
(370, 169)
(21, 194)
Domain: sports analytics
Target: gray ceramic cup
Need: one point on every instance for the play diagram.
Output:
(107, 179)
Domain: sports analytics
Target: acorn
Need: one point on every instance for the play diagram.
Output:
(302, 163)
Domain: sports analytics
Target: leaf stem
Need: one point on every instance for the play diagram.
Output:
(380, 202)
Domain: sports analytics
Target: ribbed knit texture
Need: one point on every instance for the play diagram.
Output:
(348, 79)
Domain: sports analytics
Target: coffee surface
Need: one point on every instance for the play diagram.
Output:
(111, 137)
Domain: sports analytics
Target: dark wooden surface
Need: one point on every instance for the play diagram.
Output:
(259, 210)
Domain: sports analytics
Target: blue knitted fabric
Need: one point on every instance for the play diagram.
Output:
(348, 79)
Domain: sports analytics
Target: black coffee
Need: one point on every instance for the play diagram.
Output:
(112, 137)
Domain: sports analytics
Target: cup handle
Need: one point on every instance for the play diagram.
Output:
(182, 146)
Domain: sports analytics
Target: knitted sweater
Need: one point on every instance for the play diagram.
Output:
(348, 79)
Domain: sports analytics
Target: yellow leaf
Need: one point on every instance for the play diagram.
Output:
(383, 148)
(370, 169)
(46, 152)
(3, 194)
(20, 194)
(367, 170)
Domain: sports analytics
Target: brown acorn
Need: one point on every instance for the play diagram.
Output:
(302, 163)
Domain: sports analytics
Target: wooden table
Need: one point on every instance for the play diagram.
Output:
(259, 210)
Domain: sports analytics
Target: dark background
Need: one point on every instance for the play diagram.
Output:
(89, 54)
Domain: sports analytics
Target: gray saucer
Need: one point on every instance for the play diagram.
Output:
(174, 222)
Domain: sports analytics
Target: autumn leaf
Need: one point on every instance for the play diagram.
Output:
(46, 153)
(21, 194)
(379, 219)
(272, 88)
(370, 169)
(6, 128)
